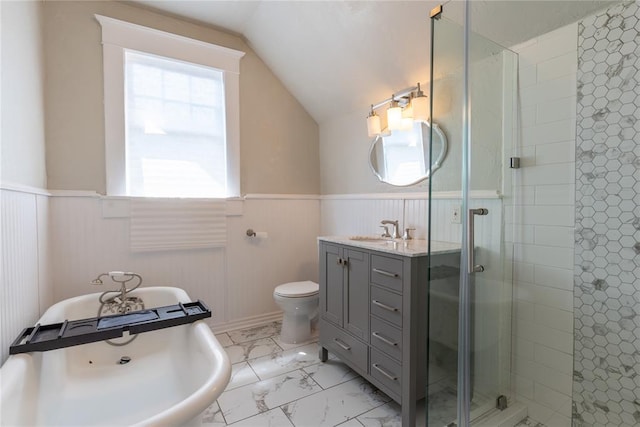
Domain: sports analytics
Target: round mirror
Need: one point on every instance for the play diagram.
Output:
(401, 157)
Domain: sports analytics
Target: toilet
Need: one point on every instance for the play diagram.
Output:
(299, 301)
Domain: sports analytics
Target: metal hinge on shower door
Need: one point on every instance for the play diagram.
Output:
(501, 402)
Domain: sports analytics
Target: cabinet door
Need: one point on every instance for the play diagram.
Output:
(356, 293)
(331, 280)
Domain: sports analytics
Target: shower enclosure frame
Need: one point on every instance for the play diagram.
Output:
(468, 268)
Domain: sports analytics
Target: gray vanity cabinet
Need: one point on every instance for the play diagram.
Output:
(331, 282)
(373, 316)
(344, 279)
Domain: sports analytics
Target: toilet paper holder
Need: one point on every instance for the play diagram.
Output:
(258, 234)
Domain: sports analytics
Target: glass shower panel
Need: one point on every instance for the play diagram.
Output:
(492, 95)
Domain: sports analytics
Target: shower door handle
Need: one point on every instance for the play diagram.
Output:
(471, 265)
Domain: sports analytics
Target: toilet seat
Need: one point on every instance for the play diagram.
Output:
(297, 289)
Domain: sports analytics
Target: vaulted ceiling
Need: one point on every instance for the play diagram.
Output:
(340, 56)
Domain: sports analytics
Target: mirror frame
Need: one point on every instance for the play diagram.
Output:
(437, 132)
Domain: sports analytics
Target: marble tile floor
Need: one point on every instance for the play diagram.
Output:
(278, 384)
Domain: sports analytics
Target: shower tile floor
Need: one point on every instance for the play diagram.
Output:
(278, 384)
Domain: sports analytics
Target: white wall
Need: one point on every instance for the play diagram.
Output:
(22, 139)
(236, 282)
(26, 287)
(544, 223)
(53, 246)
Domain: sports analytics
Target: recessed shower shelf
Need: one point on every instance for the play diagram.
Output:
(84, 331)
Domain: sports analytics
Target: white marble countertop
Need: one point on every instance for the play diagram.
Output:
(411, 248)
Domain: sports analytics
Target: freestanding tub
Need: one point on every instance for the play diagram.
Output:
(173, 376)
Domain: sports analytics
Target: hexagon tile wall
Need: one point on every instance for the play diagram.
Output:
(606, 382)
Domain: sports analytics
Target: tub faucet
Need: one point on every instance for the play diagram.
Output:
(119, 303)
(395, 234)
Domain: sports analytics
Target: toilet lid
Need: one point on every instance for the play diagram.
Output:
(297, 289)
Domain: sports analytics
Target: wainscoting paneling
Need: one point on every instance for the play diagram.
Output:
(237, 281)
(45, 275)
(256, 265)
(357, 216)
(361, 216)
(19, 284)
(86, 244)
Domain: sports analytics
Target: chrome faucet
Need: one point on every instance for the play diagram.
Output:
(395, 234)
(119, 303)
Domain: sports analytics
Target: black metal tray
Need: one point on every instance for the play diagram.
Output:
(76, 332)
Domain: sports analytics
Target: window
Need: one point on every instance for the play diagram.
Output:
(171, 114)
(175, 131)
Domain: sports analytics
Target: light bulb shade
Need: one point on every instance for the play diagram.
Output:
(373, 125)
(420, 108)
(407, 112)
(394, 118)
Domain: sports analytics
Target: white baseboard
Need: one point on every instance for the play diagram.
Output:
(247, 322)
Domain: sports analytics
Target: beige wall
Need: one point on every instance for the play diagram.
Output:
(22, 137)
(279, 140)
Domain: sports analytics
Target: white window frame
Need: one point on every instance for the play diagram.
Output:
(119, 36)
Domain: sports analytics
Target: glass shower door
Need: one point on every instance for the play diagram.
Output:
(470, 292)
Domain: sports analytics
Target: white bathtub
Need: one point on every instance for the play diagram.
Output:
(173, 376)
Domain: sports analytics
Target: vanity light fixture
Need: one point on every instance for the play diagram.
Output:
(407, 115)
(373, 123)
(394, 115)
(407, 111)
(405, 107)
(420, 106)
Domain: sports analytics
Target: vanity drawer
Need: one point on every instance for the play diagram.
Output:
(387, 371)
(386, 338)
(386, 271)
(386, 305)
(344, 345)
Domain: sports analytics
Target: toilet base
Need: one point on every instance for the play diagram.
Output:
(295, 329)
